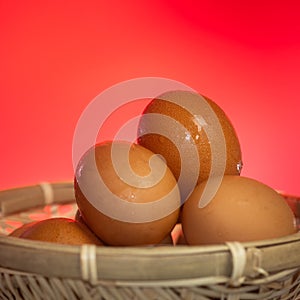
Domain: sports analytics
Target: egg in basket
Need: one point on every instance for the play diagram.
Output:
(138, 210)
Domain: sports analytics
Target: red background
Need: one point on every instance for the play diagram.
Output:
(56, 56)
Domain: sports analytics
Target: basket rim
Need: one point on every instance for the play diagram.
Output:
(136, 264)
(26, 243)
(131, 262)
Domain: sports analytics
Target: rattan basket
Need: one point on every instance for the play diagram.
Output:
(268, 269)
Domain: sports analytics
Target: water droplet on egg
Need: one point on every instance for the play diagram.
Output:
(188, 137)
(196, 139)
(239, 166)
(132, 196)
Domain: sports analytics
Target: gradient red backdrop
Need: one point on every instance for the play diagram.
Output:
(56, 56)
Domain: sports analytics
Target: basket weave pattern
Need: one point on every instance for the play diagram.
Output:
(36, 270)
(16, 285)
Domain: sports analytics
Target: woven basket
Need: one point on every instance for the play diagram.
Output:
(268, 269)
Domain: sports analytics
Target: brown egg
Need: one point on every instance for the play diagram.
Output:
(167, 241)
(78, 218)
(62, 231)
(242, 209)
(205, 125)
(18, 231)
(126, 194)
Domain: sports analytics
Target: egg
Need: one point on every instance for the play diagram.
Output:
(183, 127)
(167, 241)
(126, 194)
(79, 219)
(18, 231)
(60, 230)
(243, 209)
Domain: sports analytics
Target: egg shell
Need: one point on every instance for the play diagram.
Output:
(197, 125)
(167, 240)
(18, 231)
(113, 230)
(62, 231)
(242, 209)
(79, 219)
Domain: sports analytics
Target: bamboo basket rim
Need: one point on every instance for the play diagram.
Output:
(236, 263)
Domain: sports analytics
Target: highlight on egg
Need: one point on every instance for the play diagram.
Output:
(126, 194)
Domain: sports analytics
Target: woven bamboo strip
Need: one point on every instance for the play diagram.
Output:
(75, 289)
(23, 198)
